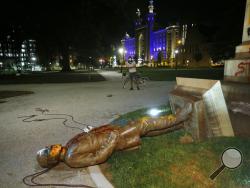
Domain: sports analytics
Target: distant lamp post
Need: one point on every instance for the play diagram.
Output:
(187, 63)
(176, 52)
(101, 61)
(122, 53)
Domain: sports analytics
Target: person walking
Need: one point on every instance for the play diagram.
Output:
(132, 72)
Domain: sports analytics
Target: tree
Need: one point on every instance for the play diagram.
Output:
(159, 58)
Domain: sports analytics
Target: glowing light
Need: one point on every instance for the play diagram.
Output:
(33, 58)
(101, 61)
(179, 41)
(154, 112)
(121, 50)
(176, 51)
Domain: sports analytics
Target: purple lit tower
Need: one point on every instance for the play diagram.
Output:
(147, 43)
(151, 20)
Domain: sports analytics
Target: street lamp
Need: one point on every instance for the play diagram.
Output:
(122, 52)
(176, 53)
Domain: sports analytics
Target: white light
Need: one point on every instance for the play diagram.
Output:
(121, 50)
(22, 63)
(33, 58)
(176, 51)
(23, 50)
(154, 112)
(140, 60)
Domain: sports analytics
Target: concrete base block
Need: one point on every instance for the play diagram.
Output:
(210, 116)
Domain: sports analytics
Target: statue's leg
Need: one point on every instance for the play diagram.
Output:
(166, 130)
(149, 124)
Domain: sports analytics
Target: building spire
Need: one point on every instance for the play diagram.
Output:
(138, 13)
(151, 6)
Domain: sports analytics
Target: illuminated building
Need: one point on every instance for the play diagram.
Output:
(148, 43)
(13, 54)
(28, 55)
(9, 53)
(8, 49)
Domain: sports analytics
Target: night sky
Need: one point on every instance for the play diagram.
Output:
(94, 25)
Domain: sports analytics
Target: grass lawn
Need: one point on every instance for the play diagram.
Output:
(161, 74)
(8, 94)
(163, 161)
(51, 77)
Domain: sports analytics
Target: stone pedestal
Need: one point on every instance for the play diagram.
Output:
(210, 116)
(238, 69)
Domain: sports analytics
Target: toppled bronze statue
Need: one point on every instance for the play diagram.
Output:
(94, 147)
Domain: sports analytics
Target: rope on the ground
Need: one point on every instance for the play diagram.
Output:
(31, 118)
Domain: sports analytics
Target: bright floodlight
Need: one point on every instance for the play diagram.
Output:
(121, 50)
(176, 51)
(33, 58)
(154, 112)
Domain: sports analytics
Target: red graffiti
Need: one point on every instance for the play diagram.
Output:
(242, 68)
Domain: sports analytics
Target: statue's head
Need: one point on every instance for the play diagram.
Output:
(49, 156)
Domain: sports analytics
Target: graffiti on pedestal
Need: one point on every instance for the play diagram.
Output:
(242, 67)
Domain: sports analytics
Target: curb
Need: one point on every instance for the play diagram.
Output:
(98, 178)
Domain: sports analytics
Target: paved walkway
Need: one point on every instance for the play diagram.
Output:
(91, 103)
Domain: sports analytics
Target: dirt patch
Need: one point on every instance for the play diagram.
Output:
(8, 94)
(186, 139)
(105, 170)
(190, 174)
